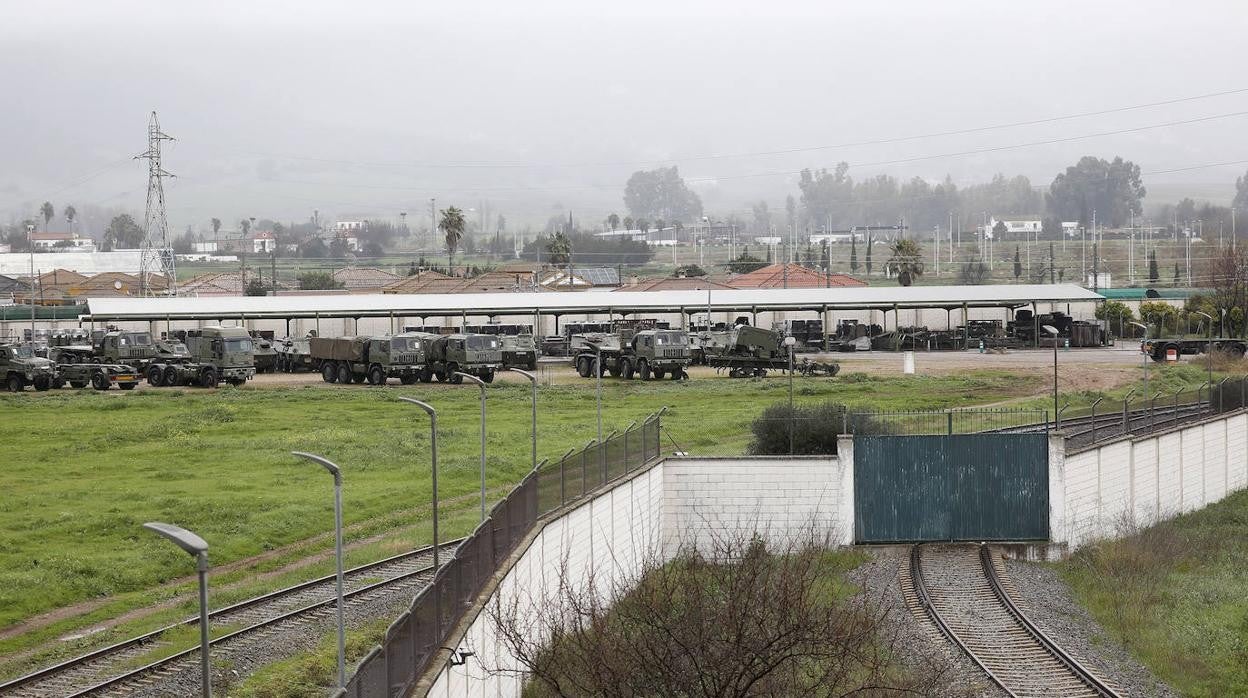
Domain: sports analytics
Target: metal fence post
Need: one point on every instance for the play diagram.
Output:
(949, 415)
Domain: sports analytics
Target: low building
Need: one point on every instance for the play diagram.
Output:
(364, 278)
(205, 247)
(1020, 227)
(67, 242)
(793, 276)
(263, 242)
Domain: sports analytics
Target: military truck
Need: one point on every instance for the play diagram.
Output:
(216, 354)
(20, 368)
(113, 346)
(745, 351)
(372, 359)
(294, 354)
(646, 353)
(519, 351)
(478, 355)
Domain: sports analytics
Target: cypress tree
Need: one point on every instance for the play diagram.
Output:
(1018, 264)
(868, 254)
(853, 253)
(1154, 274)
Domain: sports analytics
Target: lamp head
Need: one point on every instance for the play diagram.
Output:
(191, 543)
(422, 405)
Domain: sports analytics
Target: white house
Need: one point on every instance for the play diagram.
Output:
(263, 242)
(204, 247)
(69, 242)
(1020, 227)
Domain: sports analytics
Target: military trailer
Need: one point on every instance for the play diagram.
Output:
(21, 367)
(372, 359)
(216, 354)
(97, 375)
(646, 353)
(294, 354)
(745, 351)
(478, 355)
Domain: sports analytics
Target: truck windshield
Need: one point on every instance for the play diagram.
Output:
(237, 345)
(21, 352)
(398, 344)
(669, 338)
(135, 339)
(482, 343)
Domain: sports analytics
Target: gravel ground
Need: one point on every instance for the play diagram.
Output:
(1048, 603)
(926, 651)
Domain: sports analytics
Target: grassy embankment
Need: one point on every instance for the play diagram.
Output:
(86, 470)
(1176, 596)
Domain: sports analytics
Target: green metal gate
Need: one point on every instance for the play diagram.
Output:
(961, 487)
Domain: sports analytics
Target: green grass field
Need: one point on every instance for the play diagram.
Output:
(86, 470)
(1176, 596)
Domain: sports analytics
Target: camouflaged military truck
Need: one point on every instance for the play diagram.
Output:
(646, 353)
(372, 359)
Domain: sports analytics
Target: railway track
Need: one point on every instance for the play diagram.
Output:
(959, 588)
(112, 669)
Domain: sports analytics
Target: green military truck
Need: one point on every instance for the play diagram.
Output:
(477, 355)
(20, 368)
(519, 351)
(646, 353)
(215, 354)
(372, 359)
(113, 346)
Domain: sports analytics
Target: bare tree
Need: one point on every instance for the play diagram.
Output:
(761, 624)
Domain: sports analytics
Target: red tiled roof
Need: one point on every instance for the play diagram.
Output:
(792, 276)
(694, 283)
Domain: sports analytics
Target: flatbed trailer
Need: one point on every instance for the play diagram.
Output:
(746, 366)
(1160, 349)
(98, 376)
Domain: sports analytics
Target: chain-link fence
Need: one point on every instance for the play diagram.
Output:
(412, 641)
(925, 422)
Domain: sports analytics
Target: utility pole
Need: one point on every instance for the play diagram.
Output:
(30, 249)
(155, 260)
(433, 221)
(1052, 265)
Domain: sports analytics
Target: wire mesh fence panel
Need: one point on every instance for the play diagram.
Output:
(549, 492)
(573, 477)
(369, 680)
(400, 651)
(615, 457)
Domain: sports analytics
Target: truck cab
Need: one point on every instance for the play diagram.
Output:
(20, 367)
(226, 351)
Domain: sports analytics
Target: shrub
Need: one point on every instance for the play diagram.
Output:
(815, 429)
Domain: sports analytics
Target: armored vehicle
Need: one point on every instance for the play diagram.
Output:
(216, 354)
(265, 354)
(478, 355)
(20, 368)
(294, 354)
(372, 359)
(647, 353)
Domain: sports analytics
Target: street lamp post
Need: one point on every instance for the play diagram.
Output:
(1052, 331)
(342, 627)
(789, 342)
(197, 548)
(433, 450)
(480, 384)
(532, 379)
(1143, 342)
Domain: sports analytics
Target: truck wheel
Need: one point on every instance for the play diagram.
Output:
(659, 373)
(78, 384)
(488, 376)
(678, 373)
(171, 376)
(329, 373)
(532, 364)
(426, 374)
(100, 381)
(42, 383)
(407, 379)
(582, 366)
(15, 383)
(626, 369)
(208, 379)
(127, 386)
(155, 376)
(376, 376)
(58, 383)
(344, 373)
(643, 369)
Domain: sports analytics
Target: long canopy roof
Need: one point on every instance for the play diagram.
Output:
(619, 302)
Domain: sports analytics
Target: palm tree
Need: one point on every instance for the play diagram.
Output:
(216, 227)
(452, 226)
(246, 226)
(613, 221)
(70, 214)
(628, 222)
(559, 249)
(47, 211)
(906, 262)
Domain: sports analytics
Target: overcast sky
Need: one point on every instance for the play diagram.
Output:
(372, 108)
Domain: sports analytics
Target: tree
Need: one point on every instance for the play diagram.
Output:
(122, 233)
(216, 227)
(629, 223)
(602, 250)
(690, 270)
(1176, 274)
(1154, 274)
(643, 225)
(1161, 314)
(762, 218)
(1018, 264)
(790, 213)
(318, 281)
(452, 227)
(1241, 193)
(907, 261)
(559, 249)
(999, 230)
(1051, 228)
(1112, 189)
(47, 211)
(853, 253)
(184, 243)
(312, 248)
(974, 272)
(661, 193)
(825, 255)
(70, 214)
(613, 221)
(870, 244)
(245, 225)
(256, 287)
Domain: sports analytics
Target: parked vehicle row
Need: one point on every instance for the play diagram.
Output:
(410, 357)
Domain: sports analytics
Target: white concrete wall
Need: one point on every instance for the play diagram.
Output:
(708, 502)
(609, 537)
(1146, 479)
